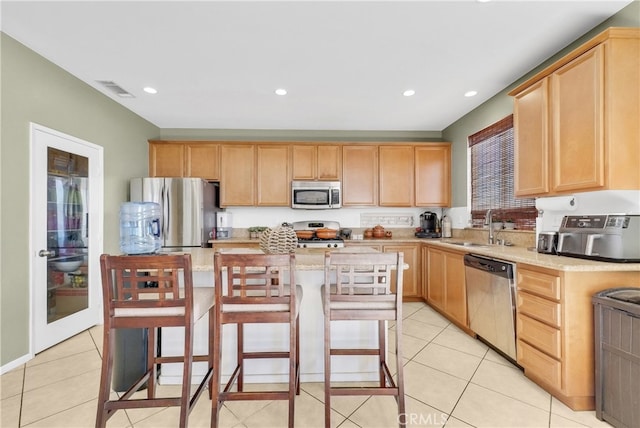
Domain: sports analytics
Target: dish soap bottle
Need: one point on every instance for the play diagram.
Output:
(446, 227)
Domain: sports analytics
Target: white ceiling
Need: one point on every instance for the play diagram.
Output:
(345, 64)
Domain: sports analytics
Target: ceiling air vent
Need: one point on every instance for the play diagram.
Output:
(115, 88)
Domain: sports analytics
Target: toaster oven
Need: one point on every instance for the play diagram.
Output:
(611, 238)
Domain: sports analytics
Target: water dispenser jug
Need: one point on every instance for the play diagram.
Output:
(140, 227)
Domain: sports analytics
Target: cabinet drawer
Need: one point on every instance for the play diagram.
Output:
(541, 309)
(539, 283)
(540, 365)
(540, 335)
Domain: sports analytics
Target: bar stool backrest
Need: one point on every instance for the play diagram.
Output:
(261, 280)
(363, 278)
(148, 285)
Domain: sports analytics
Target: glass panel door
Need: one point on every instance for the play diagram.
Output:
(66, 210)
(67, 234)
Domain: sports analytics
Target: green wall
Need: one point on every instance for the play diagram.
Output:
(35, 90)
(501, 105)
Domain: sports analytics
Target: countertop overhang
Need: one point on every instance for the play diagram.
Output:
(518, 254)
(306, 259)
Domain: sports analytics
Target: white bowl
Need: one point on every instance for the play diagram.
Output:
(67, 266)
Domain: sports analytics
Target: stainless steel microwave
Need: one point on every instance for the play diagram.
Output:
(316, 195)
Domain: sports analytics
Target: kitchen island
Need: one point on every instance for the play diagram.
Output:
(310, 275)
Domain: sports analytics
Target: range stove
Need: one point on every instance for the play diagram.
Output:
(316, 242)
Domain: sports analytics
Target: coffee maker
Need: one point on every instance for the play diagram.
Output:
(429, 226)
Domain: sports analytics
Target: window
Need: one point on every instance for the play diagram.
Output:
(492, 177)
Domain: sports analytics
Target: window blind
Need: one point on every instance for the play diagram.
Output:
(492, 177)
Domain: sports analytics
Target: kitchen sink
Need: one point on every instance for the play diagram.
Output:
(469, 244)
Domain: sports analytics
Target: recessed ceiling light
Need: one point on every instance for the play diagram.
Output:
(409, 92)
(471, 93)
(150, 90)
(483, 1)
(281, 91)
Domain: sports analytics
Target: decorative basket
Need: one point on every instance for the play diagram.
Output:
(279, 240)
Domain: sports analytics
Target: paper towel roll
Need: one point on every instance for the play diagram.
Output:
(557, 203)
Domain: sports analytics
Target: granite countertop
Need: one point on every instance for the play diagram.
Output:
(518, 254)
(524, 255)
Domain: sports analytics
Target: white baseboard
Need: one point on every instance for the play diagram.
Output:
(15, 363)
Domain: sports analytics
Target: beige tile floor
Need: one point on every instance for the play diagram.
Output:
(451, 380)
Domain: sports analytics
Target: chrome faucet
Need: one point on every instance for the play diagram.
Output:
(489, 221)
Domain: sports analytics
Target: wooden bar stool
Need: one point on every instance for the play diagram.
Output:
(362, 291)
(145, 292)
(251, 289)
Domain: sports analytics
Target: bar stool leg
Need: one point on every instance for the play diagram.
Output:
(382, 357)
(212, 326)
(402, 416)
(240, 360)
(105, 377)
(327, 371)
(186, 377)
(217, 375)
(151, 367)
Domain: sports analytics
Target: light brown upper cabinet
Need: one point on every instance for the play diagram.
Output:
(432, 175)
(396, 179)
(273, 183)
(316, 162)
(166, 159)
(531, 152)
(260, 173)
(202, 160)
(184, 159)
(359, 175)
(577, 108)
(576, 122)
(237, 175)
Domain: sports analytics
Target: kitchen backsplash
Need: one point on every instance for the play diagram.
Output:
(602, 202)
(347, 217)
(403, 221)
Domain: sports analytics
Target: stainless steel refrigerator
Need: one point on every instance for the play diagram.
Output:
(188, 206)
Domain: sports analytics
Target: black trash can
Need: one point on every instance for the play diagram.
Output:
(617, 356)
(129, 357)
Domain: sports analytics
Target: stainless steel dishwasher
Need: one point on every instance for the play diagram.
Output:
(491, 302)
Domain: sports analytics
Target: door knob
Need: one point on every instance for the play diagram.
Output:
(45, 253)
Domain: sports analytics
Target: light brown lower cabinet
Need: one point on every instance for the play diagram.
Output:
(555, 334)
(445, 283)
(411, 278)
